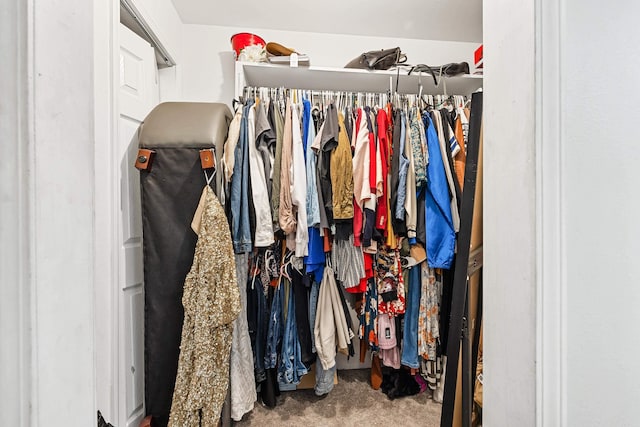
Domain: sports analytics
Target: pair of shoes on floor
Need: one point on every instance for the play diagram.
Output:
(399, 383)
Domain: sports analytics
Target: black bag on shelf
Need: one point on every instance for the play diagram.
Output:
(378, 59)
(446, 70)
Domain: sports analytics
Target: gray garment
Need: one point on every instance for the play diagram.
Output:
(265, 141)
(348, 262)
(328, 144)
(277, 162)
(403, 171)
(324, 222)
(242, 382)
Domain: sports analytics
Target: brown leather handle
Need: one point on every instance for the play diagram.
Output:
(207, 158)
(144, 159)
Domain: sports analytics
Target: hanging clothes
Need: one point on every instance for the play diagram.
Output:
(446, 160)
(211, 301)
(349, 193)
(242, 379)
(349, 263)
(239, 195)
(342, 175)
(328, 143)
(278, 121)
(420, 155)
(461, 159)
(263, 234)
(403, 177)
(290, 366)
(233, 135)
(298, 184)
(276, 327)
(331, 327)
(266, 145)
(315, 258)
(257, 319)
(429, 313)
(285, 212)
(411, 202)
(382, 192)
(441, 238)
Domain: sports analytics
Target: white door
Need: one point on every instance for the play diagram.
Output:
(138, 93)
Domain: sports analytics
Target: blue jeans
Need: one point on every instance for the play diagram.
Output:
(313, 306)
(410, 336)
(257, 318)
(240, 228)
(274, 334)
(291, 368)
(324, 379)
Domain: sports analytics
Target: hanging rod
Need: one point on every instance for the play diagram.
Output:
(335, 93)
(146, 29)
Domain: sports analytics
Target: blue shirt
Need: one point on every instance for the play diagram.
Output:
(441, 237)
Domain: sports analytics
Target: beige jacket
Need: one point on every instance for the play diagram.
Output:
(285, 211)
(331, 327)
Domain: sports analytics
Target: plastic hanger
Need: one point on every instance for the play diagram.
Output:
(285, 264)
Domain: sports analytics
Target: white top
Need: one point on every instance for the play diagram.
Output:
(264, 232)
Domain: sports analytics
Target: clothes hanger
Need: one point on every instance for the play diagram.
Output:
(287, 262)
(255, 271)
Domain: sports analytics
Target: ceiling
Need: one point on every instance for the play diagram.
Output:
(454, 20)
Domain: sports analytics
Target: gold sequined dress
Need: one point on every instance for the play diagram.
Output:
(211, 301)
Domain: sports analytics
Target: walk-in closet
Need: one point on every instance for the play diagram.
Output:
(298, 214)
(334, 224)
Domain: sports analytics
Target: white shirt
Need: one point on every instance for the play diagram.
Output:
(264, 232)
(299, 187)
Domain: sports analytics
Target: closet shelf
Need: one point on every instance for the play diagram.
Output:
(344, 79)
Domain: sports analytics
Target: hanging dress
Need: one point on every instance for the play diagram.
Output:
(211, 301)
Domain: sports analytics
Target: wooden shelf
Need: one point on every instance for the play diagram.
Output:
(344, 79)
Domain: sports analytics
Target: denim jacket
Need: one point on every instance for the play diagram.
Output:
(240, 228)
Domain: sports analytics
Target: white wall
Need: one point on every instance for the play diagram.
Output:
(509, 215)
(63, 213)
(207, 63)
(585, 155)
(46, 220)
(600, 163)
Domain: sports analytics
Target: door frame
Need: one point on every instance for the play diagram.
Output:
(106, 21)
(26, 278)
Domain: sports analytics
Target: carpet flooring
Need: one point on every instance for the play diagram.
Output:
(351, 403)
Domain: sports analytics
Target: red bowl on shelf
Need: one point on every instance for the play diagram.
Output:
(241, 40)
